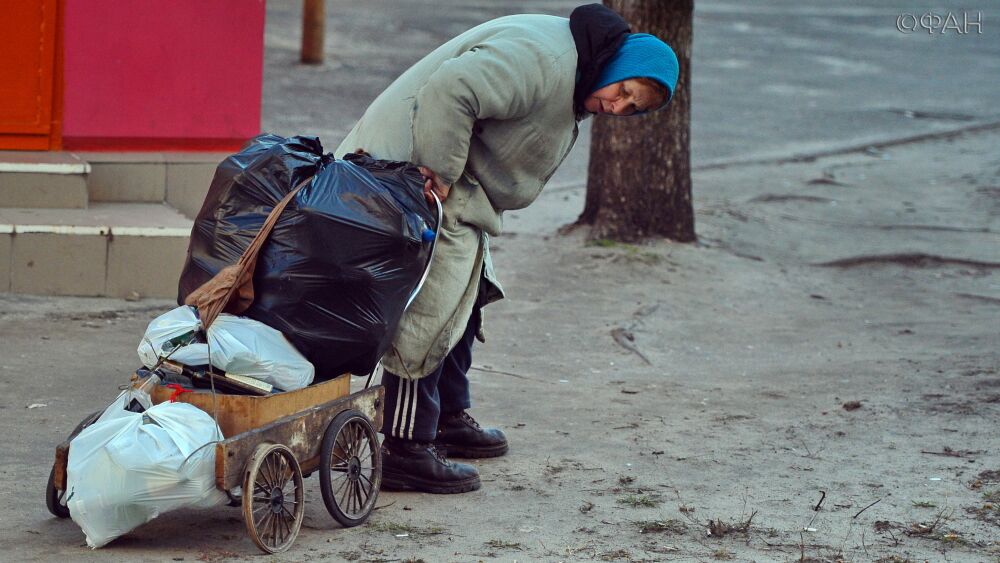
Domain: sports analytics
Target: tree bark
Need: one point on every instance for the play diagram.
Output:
(639, 176)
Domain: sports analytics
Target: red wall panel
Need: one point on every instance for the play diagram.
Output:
(162, 75)
(27, 66)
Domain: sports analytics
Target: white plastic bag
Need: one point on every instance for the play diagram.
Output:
(175, 322)
(128, 468)
(119, 408)
(243, 346)
(239, 346)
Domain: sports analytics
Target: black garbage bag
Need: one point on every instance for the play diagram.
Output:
(336, 272)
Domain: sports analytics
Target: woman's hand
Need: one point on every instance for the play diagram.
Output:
(433, 184)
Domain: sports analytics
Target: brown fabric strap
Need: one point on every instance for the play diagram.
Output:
(250, 254)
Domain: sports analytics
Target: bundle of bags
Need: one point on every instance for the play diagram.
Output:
(331, 280)
(336, 271)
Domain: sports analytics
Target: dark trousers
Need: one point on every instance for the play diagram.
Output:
(413, 406)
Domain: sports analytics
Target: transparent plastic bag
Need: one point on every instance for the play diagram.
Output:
(164, 333)
(128, 468)
(243, 346)
(239, 346)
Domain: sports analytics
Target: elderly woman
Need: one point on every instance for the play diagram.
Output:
(489, 116)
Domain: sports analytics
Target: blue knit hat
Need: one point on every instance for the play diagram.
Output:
(642, 56)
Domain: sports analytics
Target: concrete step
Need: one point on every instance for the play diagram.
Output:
(43, 179)
(109, 249)
(178, 178)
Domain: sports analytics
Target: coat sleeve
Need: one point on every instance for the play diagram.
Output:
(499, 79)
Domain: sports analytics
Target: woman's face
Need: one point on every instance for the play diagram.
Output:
(621, 98)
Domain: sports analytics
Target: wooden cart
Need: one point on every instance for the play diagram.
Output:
(273, 442)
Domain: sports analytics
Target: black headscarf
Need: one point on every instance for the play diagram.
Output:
(598, 33)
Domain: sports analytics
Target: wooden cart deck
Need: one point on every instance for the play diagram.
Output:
(294, 418)
(240, 413)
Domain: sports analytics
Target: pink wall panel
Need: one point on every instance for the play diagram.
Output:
(175, 70)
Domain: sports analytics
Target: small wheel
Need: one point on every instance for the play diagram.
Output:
(54, 500)
(350, 468)
(273, 512)
(90, 419)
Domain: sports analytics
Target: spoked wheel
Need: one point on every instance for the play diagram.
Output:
(350, 468)
(55, 499)
(273, 504)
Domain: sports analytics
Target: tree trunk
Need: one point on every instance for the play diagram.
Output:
(639, 176)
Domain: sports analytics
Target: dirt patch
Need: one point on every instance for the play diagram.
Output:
(782, 198)
(907, 260)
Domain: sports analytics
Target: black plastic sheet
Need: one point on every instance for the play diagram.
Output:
(345, 255)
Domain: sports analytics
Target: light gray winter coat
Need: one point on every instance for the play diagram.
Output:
(491, 112)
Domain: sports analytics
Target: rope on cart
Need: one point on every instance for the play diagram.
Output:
(211, 381)
(177, 391)
(198, 449)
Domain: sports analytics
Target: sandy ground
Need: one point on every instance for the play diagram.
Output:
(831, 341)
(866, 279)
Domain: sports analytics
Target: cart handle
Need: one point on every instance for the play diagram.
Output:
(423, 278)
(430, 259)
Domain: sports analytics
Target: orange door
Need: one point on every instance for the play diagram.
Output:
(27, 69)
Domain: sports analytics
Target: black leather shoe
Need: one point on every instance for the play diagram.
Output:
(418, 466)
(459, 435)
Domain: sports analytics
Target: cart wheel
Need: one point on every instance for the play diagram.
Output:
(54, 497)
(90, 419)
(350, 468)
(273, 512)
(54, 500)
